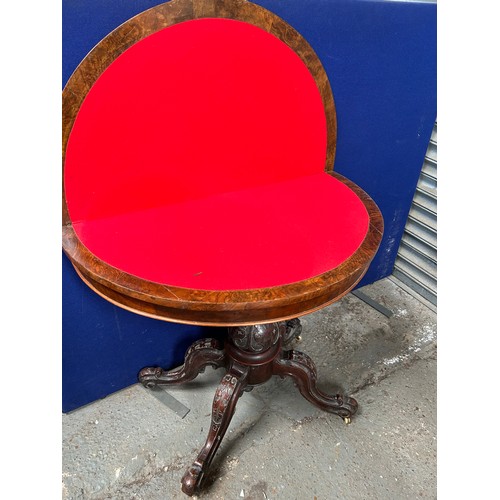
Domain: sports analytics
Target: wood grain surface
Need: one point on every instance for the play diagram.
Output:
(202, 307)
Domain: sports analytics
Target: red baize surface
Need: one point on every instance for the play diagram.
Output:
(196, 160)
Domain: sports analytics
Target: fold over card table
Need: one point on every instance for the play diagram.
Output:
(198, 187)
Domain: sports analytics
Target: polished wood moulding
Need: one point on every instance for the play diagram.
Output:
(224, 308)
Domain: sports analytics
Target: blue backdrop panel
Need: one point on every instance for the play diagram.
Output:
(105, 346)
(380, 57)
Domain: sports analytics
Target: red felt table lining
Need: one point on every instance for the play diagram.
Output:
(260, 237)
(196, 160)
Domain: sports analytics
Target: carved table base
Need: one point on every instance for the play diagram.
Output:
(251, 356)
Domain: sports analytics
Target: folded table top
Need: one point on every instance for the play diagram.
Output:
(197, 160)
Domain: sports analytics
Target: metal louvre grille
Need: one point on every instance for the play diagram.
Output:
(416, 262)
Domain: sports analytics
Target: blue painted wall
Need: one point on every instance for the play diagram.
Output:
(104, 346)
(380, 57)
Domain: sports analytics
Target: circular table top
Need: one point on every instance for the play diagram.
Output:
(194, 183)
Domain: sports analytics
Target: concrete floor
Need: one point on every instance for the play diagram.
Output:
(278, 446)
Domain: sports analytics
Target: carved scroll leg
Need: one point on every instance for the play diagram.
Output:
(224, 405)
(199, 355)
(301, 368)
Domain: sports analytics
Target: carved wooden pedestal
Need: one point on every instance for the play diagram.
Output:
(251, 356)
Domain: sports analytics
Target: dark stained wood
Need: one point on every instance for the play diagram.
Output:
(301, 368)
(226, 396)
(203, 353)
(251, 356)
(201, 307)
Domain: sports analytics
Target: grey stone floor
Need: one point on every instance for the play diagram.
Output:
(131, 445)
